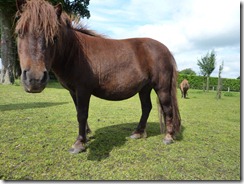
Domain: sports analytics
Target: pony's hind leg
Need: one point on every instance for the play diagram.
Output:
(166, 105)
(146, 107)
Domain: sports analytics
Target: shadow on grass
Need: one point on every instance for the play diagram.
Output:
(33, 105)
(105, 139)
(185, 98)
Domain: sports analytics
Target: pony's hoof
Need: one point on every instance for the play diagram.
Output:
(138, 135)
(77, 147)
(168, 141)
(75, 150)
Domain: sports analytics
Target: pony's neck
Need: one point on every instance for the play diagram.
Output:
(69, 51)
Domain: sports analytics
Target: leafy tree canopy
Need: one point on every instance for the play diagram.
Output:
(187, 71)
(77, 7)
(207, 63)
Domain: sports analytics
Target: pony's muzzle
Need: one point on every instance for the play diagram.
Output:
(34, 82)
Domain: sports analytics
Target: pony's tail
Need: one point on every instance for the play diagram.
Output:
(176, 114)
(160, 116)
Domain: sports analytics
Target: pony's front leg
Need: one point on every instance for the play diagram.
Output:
(73, 95)
(83, 99)
(146, 106)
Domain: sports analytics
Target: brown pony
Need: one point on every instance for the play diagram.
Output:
(184, 86)
(88, 64)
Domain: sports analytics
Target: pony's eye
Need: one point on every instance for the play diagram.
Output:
(55, 39)
(20, 34)
(17, 18)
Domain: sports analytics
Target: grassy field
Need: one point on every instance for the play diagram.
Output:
(37, 130)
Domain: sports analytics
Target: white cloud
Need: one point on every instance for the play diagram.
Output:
(168, 34)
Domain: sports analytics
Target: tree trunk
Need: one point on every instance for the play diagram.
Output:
(219, 87)
(207, 84)
(7, 50)
(204, 84)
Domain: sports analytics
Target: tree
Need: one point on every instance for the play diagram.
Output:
(7, 45)
(76, 7)
(7, 21)
(207, 65)
(187, 71)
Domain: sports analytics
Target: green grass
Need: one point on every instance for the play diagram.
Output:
(37, 130)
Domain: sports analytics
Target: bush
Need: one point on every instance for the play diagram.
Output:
(229, 94)
(198, 82)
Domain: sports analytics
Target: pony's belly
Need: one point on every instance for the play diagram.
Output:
(113, 95)
(120, 89)
(117, 92)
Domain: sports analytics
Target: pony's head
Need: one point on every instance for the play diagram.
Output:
(37, 33)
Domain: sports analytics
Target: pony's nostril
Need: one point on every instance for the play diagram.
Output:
(45, 77)
(24, 75)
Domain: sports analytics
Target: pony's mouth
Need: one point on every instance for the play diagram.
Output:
(34, 86)
(34, 89)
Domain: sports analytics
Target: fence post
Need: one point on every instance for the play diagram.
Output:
(228, 89)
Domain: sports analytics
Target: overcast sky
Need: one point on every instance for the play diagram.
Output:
(189, 28)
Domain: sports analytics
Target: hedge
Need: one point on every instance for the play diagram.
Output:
(198, 82)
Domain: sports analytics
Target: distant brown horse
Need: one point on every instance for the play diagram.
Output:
(88, 64)
(184, 86)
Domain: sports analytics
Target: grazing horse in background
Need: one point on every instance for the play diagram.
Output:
(184, 86)
(86, 64)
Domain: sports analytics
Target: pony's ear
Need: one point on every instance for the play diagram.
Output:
(58, 9)
(19, 5)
